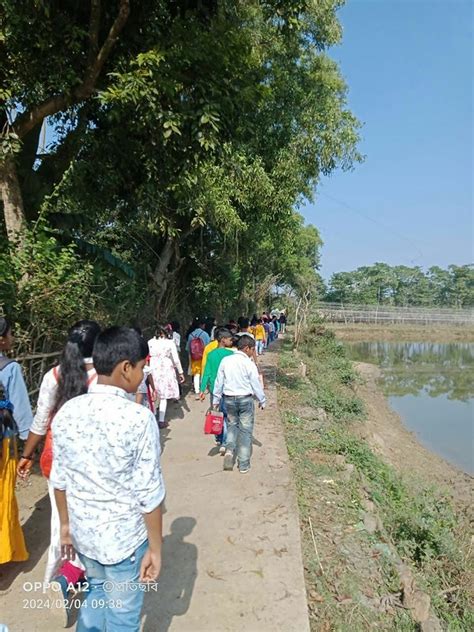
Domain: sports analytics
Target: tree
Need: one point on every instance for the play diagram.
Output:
(404, 286)
(207, 125)
(52, 59)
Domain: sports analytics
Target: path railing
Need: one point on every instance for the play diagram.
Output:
(380, 314)
(34, 367)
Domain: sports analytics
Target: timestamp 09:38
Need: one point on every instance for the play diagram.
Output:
(48, 604)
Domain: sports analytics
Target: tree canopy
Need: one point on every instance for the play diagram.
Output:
(184, 136)
(404, 286)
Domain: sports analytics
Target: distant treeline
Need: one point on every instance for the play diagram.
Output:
(403, 286)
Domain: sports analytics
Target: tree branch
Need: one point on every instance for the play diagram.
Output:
(93, 72)
(94, 27)
(26, 121)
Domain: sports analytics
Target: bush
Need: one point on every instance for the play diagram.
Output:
(44, 288)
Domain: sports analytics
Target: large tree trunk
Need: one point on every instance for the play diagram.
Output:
(161, 274)
(170, 263)
(12, 201)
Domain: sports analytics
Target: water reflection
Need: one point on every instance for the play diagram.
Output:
(413, 368)
(431, 386)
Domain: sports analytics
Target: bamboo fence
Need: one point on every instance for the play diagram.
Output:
(380, 314)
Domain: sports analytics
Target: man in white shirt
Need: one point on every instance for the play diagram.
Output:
(238, 383)
(108, 485)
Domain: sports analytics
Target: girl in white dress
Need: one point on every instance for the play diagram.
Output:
(166, 369)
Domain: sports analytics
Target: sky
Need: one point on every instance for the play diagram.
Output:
(409, 68)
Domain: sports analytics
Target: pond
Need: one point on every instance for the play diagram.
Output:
(431, 386)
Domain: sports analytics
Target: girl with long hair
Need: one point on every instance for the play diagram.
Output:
(164, 364)
(15, 420)
(70, 378)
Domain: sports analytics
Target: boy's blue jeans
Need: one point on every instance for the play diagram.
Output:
(240, 421)
(114, 599)
(260, 344)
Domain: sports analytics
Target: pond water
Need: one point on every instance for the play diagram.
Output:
(431, 386)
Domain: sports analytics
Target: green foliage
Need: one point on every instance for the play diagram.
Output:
(207, 126)
(404, 286)
(45, 287)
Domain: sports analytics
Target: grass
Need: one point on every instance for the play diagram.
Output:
(418, 523)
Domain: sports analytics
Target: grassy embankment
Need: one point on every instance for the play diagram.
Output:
(377, 546)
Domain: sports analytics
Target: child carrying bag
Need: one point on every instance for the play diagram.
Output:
(214, 422)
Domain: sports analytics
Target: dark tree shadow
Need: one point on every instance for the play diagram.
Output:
(36, 531)
(177, 579)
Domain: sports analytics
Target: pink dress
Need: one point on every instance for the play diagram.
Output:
(164, 362)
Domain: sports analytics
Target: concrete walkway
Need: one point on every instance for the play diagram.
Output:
(232, 553)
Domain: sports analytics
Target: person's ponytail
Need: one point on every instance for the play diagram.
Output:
(72, 377)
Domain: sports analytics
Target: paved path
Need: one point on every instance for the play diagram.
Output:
(232, 557)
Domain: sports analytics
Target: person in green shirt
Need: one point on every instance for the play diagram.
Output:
(224, 339)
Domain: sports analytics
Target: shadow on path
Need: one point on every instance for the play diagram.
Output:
(177, 579)
(36, 531)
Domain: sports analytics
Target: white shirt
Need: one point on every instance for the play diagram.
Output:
(46, 397)
(106, 457)
(177, 340)
(238, 376)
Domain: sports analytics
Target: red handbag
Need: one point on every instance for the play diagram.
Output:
(214, 422)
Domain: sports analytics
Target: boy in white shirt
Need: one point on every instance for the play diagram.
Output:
(238, 383)
(108, 485)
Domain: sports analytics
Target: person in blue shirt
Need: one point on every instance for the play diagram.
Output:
(15, 420)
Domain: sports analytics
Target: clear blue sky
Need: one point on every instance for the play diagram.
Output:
(409, 68)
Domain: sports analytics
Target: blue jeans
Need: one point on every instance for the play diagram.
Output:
(240, 421)
(260, 346)
(116, 608)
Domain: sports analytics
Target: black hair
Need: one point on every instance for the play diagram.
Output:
(116, 344)
(5, 326)
(175, 325)
(217, 330)
(232, 327)
(243, 322)
(245, 341)
(209, 324)
(161, 330)
(223, 333)
(194, 325)
(7, 421)
(72, 378)
(6, 413)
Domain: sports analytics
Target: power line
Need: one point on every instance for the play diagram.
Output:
(376, 222)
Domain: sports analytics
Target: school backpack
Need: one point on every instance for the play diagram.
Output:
(196, 348)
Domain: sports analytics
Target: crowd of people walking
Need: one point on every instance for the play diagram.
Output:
(98, 416)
